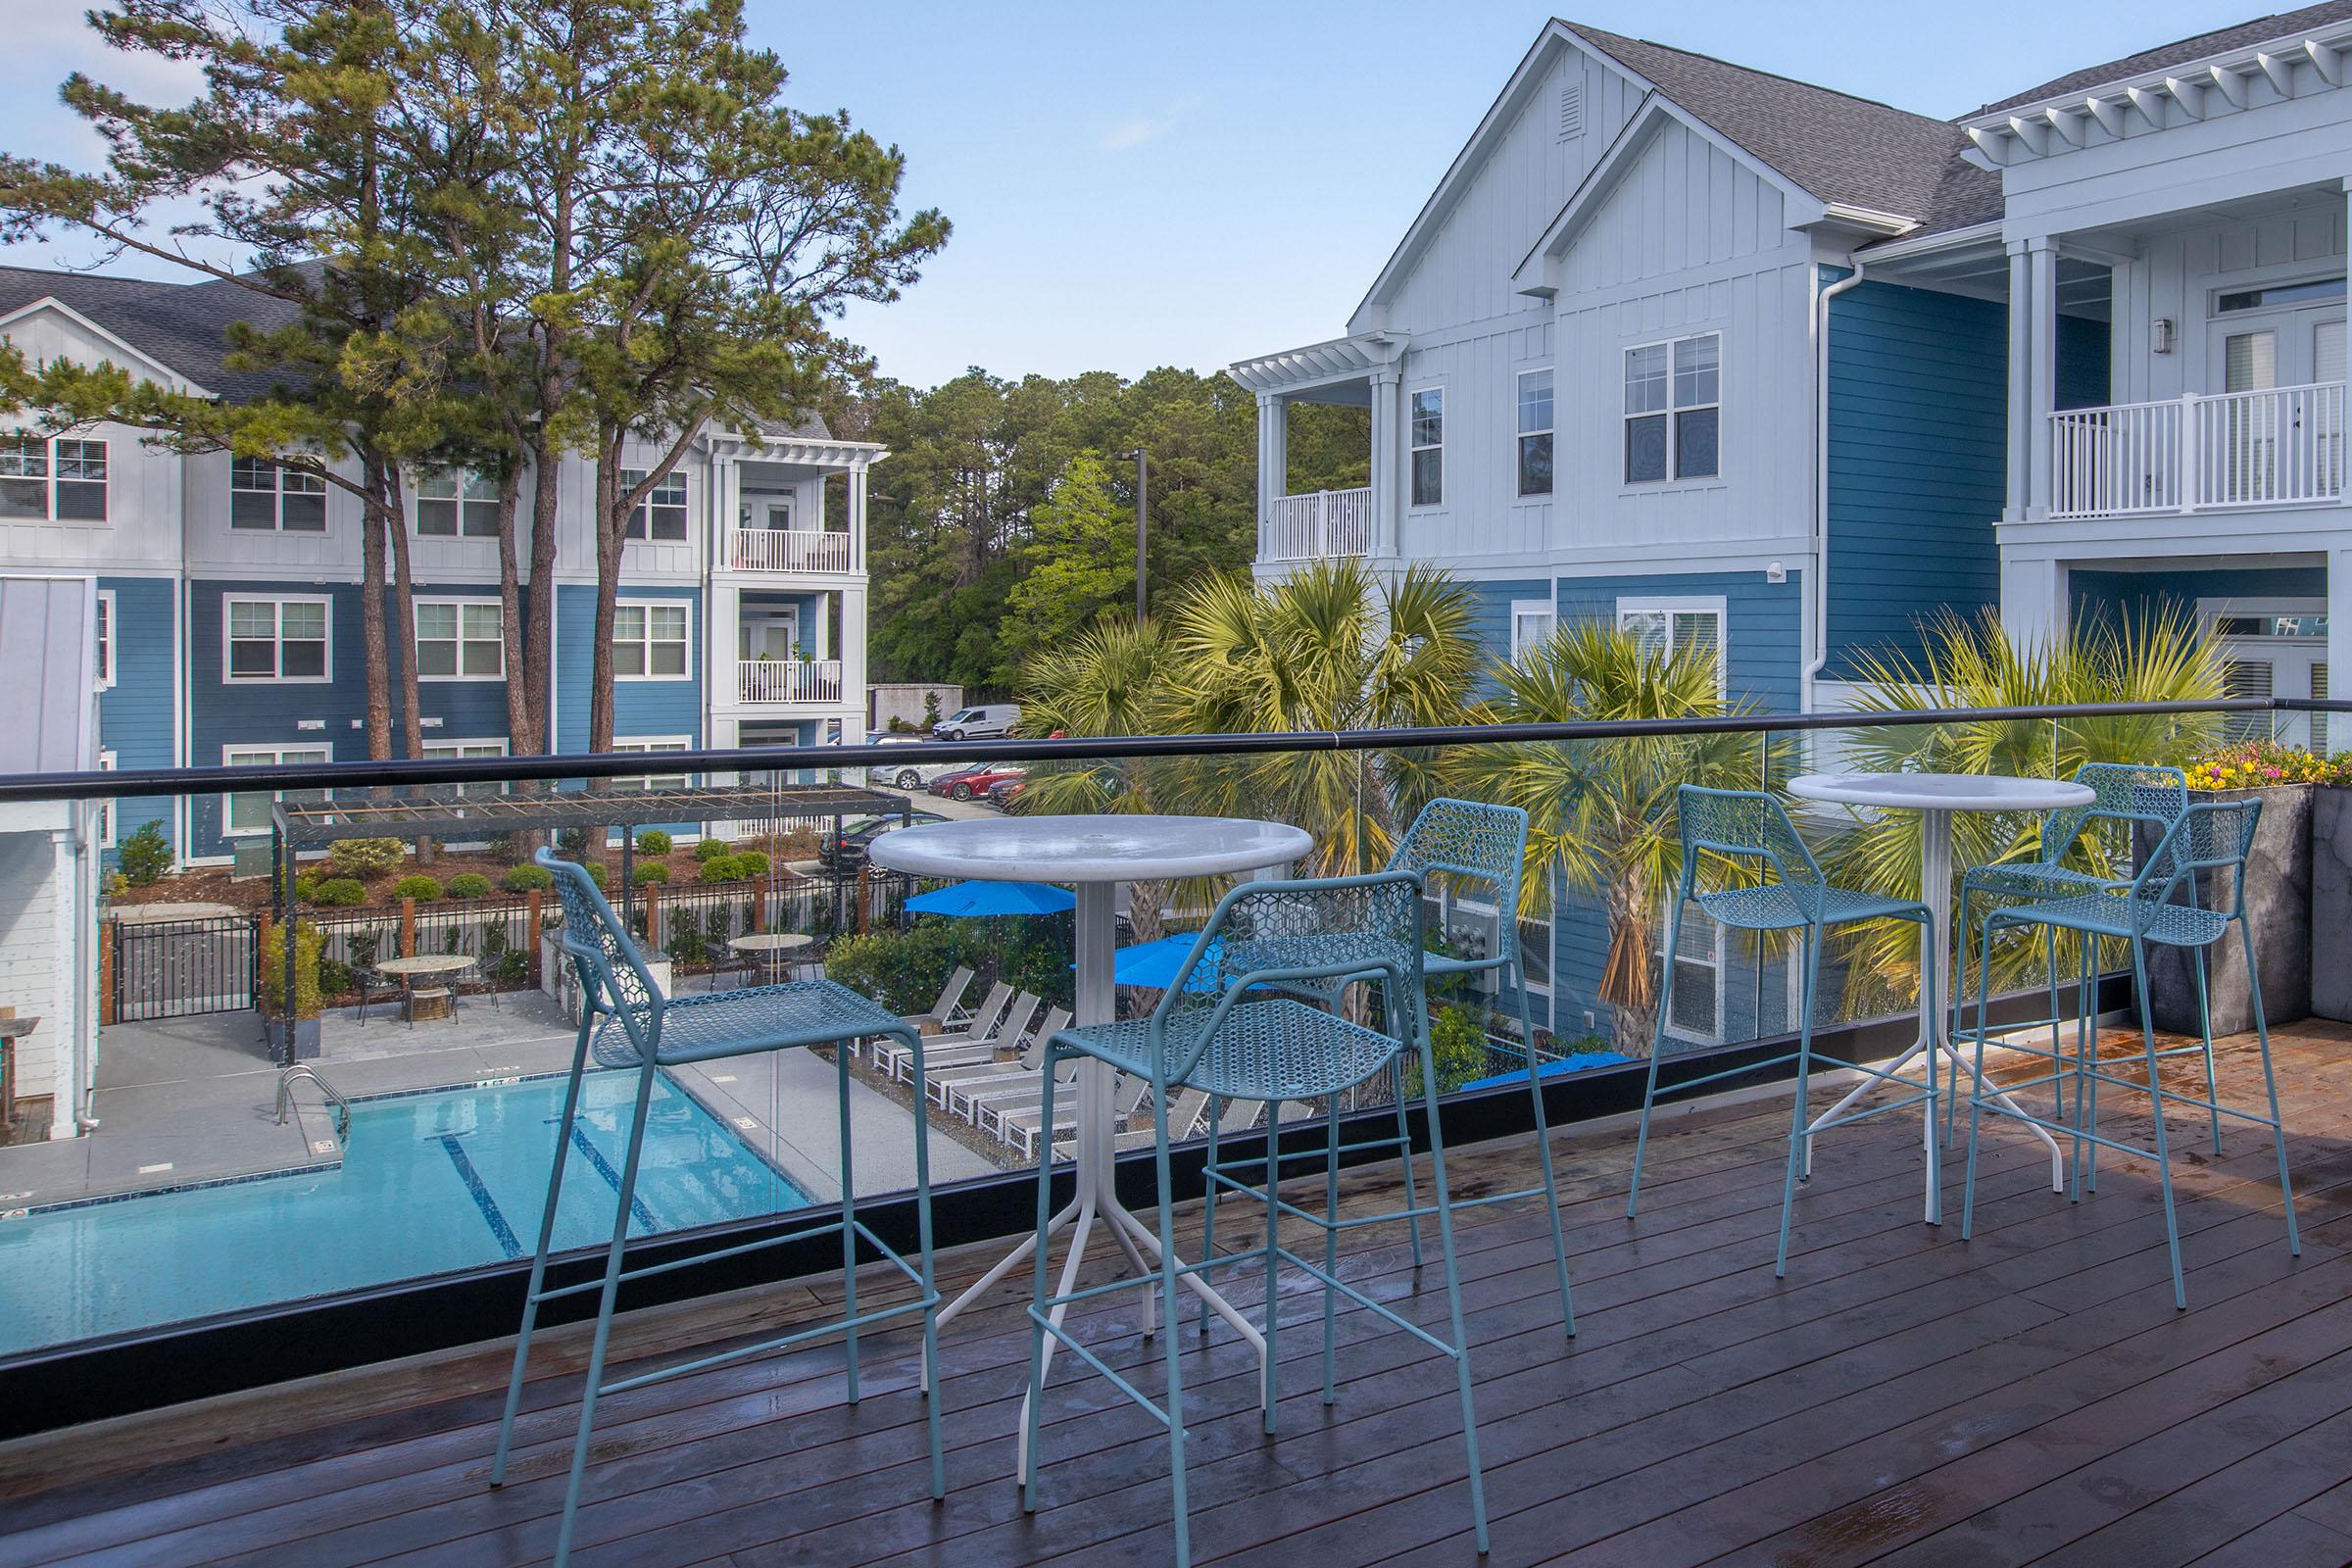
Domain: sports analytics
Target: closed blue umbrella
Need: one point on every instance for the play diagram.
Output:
(982, 898)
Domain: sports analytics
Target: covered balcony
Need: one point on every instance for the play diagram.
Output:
(793, 507)
(788, 680)
(1328, 520)
(2231, 450)
(1317, 527)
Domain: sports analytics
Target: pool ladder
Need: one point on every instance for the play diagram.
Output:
(288, 1077)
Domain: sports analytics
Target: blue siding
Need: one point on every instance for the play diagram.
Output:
(2084, 363)
(1490, 618)
(1918, 423)
(2099, 594)
(1763, 624)
(640, 708)
(135, 714)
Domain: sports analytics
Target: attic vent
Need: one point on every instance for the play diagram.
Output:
(1572, 111)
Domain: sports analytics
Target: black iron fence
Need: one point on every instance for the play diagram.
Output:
(180, 969)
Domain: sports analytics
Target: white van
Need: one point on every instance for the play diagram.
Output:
(978, 724)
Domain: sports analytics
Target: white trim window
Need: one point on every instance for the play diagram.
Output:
(247, 815)
(652, 743)
(106, 640)
(271, 497)
(1673, 624)
(275, 639)
(451, 751)
(59, 480)
(106, 808)
(1426, 423)
(1674, 410)
(661, 516)
(650, 640)
(1533, 621)
(1535, 432)
(456, 504)
(460, 639)
(1694, 999)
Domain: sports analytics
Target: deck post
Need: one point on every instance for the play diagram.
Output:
(532, 933)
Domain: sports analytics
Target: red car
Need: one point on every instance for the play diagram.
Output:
(975, 783)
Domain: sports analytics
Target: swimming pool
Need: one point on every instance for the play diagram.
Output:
(428, 1183)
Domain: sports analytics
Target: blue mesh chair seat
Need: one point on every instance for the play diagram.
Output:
(709, 1024)
(628, 1024)
(1750, 830)
(1776, 906)
(2162, 906)
(1297, 938)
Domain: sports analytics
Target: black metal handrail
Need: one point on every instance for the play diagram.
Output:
(357, 775)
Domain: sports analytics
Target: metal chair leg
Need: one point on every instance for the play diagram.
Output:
(1798, 1136)
(1404, 1142)
(1208, 1196)
(848, 1208)
(2164, 1164)
(1330, 1241)
(1453, 1286)
(1036, 1284)
(1657, 1038)
(1552, 1191)
(1273, 1358)
(2270, 1085)
(1173, 1343)
(1975, 1092)
(2213, 1100)
(914, 1042)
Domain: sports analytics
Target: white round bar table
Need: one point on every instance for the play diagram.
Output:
(1095, 855)
(1936, 796)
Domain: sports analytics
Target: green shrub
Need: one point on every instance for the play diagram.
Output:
(305, 884)
(272, 979)
(424, 889)
(145, 856)
(1457, 1046)
(652, 841)
(722, 868)
(597, 872)
(525, 878)
(572, 843)
(334, 979)
(650, 871)
(340, 892)
(711, 849)
(750, 862)
(469, 885)
(364, 858)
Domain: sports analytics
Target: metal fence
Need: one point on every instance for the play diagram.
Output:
(182, 968)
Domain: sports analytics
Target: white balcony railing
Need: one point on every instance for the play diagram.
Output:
(788, 680)
(1310, 527)
(2284, 446)
(788, 550)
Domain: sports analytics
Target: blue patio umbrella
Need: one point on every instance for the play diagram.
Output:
(980, 899)
(1154, 963)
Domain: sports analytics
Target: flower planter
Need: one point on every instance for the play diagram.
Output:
(2278, 916)
(2331, 902)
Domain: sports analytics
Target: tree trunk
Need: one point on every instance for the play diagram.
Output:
(404, 624)
(1628, 981)
(539, 614)
(522, 696)
(610, 532)
(371, 613)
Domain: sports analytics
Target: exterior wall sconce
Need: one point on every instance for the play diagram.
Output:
(2160, 334)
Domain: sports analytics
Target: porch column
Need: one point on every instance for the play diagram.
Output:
(2034, 593)
(852, 660)
(857, 518)
(726, 643)
(1273, 454)
(2041, 368)
(2019, 382)
(2339, 630)
(726, 504)
(1388, 449)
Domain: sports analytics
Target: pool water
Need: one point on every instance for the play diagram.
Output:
(429, 1183)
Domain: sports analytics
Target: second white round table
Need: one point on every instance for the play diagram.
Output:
(1936, 796)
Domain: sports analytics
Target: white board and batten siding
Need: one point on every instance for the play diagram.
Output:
(2176, 272)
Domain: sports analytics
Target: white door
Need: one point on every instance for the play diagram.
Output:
(2284, 448)
(770, 638)
(2273, 647)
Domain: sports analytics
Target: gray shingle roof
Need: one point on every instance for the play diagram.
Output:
(1835, 146)
(183, 325)
(2181, 52)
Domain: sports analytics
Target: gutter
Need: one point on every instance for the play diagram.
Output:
(1820, 328)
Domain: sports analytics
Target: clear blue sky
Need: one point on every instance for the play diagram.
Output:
(1187, 184)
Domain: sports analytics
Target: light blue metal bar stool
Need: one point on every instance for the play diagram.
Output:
(1751, 827)
(2123, 794)
(628, 1024)
(1481, 849)
(2210, 836)
(1216, 1038)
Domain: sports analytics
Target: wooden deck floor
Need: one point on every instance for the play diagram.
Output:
(1902, 1396)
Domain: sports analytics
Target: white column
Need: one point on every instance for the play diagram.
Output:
(823, 642)
(1273, 454)
(726, 644)
(2339, 634)
(1388, 453)
(852, 660)
(2020, 351)
(2041, 365)
(856, 511)
(2034, 607)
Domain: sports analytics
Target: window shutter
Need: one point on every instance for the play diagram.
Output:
(1572, 111)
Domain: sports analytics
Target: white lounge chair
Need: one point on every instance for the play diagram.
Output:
(897, 1062)
(948, 1011)
(1017, 1124)
(979, 1061)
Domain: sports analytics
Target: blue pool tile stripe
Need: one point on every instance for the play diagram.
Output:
(643, 1215)
(482, 1199)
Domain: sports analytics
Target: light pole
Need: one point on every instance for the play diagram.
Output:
(1141, 501)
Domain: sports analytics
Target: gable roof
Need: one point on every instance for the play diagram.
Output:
(2180, 52)
(181, 326)
(1841, 150)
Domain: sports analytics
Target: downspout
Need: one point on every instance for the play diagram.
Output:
(1818, 325)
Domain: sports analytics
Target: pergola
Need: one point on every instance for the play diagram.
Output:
(312, 822)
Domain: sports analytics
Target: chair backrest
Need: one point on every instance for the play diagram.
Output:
(1239, 1116)
(613, 977)
(1473, 842)
(2120, 791)
(2208, 836)
(991, 1011)
(1184, 1113)
(1745, 825)
(1056, 1021)
(1015, 1022)
(952, 993)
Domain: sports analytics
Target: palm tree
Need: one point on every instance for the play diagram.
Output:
(2155, 657)
(1601, 814)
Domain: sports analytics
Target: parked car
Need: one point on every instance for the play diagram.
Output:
(1005, 791)
(974, 783)
(910, 773)
(847, 852)
(978, 724)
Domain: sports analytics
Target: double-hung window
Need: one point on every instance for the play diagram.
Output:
(106, 638)
(451, 504)
(245, 816)
(649, 641)
(459, 639)
(266, 495)
(1695, 987)
(653, 781)
(662, 515)
(1674, 410)
(277, 639)
(1672, 625)
(1535, 432)
(1429, 446)
(61, 479)
(1533, 621)
(448, 750)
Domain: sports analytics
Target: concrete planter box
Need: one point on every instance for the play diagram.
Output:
(2279, 915)
(2332, 904)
